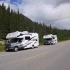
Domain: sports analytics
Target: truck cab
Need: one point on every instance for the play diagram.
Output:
(14, 44)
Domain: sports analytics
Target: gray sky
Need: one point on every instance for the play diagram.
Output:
(54, 12)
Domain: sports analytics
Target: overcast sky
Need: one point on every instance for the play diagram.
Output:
(54, 12)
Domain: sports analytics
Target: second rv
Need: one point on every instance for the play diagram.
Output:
(50, 39)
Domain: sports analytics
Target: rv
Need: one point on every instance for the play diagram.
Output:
(21, 40)
(50, 39)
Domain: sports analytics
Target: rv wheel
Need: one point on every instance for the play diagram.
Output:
(16, 49)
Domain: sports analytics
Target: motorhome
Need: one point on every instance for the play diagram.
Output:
(50, 39)
(21, 40)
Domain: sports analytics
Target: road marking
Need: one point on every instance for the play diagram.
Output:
(34, 56)
(9, 53)
(26, 59)
(29, 58)
(6, 54)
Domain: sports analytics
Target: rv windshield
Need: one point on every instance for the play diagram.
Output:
(48, 39)
(16, 40)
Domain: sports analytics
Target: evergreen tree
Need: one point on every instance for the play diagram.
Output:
(11, 21)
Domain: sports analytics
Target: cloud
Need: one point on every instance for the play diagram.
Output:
(7, 1)
(65, 23)
(47, 13)
(54, 12)
(56, 2)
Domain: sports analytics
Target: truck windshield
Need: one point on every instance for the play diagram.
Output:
(16, 40)
(48, 39)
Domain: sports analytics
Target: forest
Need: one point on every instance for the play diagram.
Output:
(11, 21)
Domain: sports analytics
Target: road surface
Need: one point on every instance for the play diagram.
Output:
(45, 57)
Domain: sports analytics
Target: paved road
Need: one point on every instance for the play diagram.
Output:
(45, 57)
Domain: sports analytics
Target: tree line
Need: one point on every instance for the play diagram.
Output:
(11, 21)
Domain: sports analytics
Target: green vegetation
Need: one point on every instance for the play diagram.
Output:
(11, 21)
(1, 47)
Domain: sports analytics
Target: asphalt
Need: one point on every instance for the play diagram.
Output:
(45, 57)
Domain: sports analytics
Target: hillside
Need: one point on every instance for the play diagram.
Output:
(11, 21)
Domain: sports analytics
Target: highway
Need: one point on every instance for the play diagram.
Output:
(45, 57)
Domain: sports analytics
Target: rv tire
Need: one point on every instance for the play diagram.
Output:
(16, 49)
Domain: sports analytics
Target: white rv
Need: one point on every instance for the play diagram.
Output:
(21, 40)
(50, 39)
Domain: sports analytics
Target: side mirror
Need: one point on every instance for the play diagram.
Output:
(8, 41)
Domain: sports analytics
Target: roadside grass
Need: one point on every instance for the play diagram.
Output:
(1, 47)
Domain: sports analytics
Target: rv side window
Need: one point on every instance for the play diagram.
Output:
(34, 39)
(27, 38)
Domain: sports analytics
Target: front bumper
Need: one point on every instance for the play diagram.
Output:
(9, 48)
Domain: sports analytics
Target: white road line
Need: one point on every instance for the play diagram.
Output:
(10, 53)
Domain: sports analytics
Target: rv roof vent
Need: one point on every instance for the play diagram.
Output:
(25, 32)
